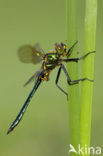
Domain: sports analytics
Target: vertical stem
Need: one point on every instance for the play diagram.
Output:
(88, 70)
(73, 91)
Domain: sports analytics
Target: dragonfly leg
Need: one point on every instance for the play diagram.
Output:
(80, 58)
(57, 79)
(71, 48)
(70, 82)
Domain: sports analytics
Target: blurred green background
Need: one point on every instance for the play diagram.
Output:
(44, 130)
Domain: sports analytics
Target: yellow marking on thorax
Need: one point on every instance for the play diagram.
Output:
(44, 67)
(44, 63)
(45, 59)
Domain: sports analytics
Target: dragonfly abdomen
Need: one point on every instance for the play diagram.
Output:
(23, 109)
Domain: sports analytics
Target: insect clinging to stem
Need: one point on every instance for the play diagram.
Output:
(50, 60)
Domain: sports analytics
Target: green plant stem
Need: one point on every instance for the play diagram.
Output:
(73, 91)
(88, 70)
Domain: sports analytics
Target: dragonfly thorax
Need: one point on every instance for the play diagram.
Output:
(50, 61)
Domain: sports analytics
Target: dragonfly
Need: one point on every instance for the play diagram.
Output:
(50, 60)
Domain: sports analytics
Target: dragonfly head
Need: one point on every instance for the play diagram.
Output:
(61, 49)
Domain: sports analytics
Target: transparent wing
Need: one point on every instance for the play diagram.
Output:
(37, 47)
(29, 54)
(33, 78)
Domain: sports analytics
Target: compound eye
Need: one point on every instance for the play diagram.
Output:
(59, 47)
